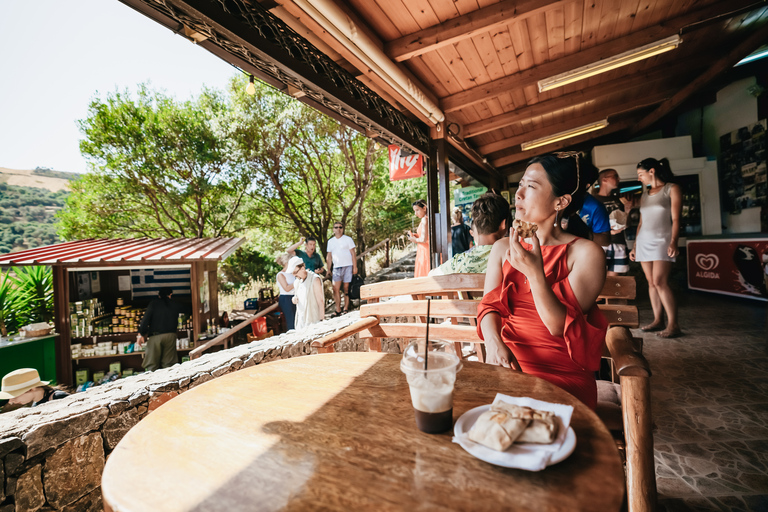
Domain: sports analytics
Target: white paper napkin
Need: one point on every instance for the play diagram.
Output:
(529, 456)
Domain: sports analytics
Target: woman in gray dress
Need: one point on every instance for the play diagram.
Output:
(656, 243)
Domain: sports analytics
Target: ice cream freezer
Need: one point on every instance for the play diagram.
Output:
(729, 264)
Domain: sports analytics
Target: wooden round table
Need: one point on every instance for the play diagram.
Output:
(337, 432)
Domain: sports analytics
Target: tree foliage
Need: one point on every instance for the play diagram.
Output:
(161, 168)
(227, 164)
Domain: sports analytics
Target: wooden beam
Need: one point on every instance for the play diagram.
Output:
(530, 76)
(63, 342)
(747, 46)
(477, 22)
(521, 156)
(592, 117)
(638, 80)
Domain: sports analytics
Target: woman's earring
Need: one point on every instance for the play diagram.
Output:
(557, 213)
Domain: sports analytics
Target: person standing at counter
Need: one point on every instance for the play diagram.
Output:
(656, 244)
(158, 328)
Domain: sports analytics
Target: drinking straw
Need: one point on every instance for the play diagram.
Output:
(426, 345)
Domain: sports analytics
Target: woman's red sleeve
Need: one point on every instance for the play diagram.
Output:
(584, 333)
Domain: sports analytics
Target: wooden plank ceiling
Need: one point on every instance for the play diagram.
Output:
(480, 61)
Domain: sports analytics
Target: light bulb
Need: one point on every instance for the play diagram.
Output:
(251, 87)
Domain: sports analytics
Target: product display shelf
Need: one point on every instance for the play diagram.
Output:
(123, 355)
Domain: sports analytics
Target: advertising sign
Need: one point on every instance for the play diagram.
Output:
(464, 197)
(732, 267)
(404, 165)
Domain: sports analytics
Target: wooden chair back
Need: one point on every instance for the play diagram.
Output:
(453, 297)
(614, 299)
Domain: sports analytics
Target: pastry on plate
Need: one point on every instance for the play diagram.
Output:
(497, 430)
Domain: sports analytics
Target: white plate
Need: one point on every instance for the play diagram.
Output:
(505, 459)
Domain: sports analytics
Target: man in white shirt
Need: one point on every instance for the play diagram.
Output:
(342, 259)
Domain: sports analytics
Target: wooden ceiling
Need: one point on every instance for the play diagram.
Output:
(480, 60)
(478, 63)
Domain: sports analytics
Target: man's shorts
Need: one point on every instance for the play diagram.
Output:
(342, 274)
(616, 258)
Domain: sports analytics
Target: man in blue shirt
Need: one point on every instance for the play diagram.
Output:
(595, 216)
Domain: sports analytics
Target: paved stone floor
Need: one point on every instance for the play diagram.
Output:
(710, 404)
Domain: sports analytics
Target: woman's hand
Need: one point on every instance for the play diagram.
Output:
(497, 353)
(295, 299)
(632, 254)
(672, 249)
(529, 263)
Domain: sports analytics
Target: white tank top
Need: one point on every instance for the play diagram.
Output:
(289, 278)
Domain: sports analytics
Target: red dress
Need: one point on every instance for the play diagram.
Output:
(567, 361)
(421, 268)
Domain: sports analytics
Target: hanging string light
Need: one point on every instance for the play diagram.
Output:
(251, 87)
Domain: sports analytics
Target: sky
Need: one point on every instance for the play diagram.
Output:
(58, 55)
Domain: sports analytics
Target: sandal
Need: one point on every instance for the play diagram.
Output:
(335, 314)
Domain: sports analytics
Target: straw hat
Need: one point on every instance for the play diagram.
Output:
(19, 382)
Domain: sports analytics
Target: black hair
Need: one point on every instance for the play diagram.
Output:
(663, 171)
(488, 212)
(165, 293)
(569, 173)
(311, 239)
(420, 203)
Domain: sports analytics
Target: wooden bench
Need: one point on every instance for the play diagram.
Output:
(454, 297)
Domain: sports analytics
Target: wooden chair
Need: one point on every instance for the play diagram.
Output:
(381, 318)
(624, 402)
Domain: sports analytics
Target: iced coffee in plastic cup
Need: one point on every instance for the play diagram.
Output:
(431, 389)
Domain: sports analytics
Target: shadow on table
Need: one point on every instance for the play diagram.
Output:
(361, 450)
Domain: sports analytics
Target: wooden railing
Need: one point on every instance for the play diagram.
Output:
(223, 337)
(376, 247)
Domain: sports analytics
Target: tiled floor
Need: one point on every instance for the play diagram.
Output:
(710, 404)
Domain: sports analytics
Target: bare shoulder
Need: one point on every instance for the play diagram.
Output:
(499, 248)
(587, 252)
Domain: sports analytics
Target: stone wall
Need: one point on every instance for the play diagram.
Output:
(52, 456)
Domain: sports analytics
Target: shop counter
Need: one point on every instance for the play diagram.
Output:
(735, 264)
(38, 353)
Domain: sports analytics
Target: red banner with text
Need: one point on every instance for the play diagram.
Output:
(731, 267)
(404, 165)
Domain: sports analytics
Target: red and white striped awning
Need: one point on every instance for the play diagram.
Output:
(131, 251)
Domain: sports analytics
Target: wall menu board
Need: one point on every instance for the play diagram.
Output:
(743, 168)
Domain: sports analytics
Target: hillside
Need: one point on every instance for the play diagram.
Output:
(48, 179)
(27, 215)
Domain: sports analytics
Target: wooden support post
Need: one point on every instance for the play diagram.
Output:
(638, 434)
(432, 204)
(61, 324)
(196, 281)
(444, 227)
(386, 254)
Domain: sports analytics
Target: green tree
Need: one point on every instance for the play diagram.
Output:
(161, 168)
(308, 169)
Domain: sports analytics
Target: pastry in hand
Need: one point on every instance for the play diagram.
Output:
(497, 430)
(525, 229)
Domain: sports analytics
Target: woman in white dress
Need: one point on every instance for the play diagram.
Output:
(656, 243)
(309, 297)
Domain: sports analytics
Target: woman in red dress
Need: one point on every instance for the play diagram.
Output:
(538, 313)
(421, 239)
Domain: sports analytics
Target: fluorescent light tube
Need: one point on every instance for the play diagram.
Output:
(760, 53)
(599, 125)
(610, 63)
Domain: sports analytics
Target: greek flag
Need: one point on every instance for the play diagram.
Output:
(147, 282)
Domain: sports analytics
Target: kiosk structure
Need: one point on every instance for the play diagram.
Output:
(101, 286)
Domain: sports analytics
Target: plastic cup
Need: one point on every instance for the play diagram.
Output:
(431, 389)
